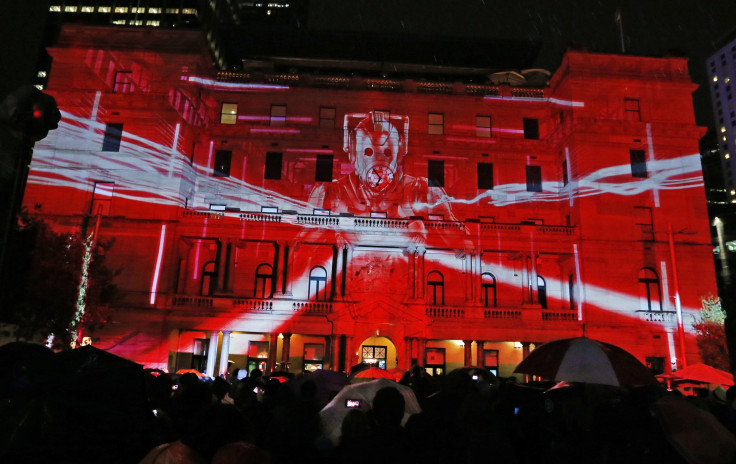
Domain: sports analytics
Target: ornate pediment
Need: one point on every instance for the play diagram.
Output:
(384, 309)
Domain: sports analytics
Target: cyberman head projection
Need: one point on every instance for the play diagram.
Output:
(377, 144)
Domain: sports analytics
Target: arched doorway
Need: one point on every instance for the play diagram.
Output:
(378, 352)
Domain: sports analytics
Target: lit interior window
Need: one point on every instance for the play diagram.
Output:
(120, 22)
(136, 22)
(733, 192)
(727, 156)
(152, 23)
(55, 8)
(104, 9)
(715, 78)
(88, 9)
(121, 9)
(172, 10)
(154, 10)
(191, 11)
(727, 80)
(723, 128)
(39, 87)
(41, 74)
(70, 9)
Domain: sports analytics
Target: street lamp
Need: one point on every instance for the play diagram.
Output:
(678, 305)
(722, 249)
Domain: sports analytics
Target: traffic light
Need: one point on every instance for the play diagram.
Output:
(30, 112)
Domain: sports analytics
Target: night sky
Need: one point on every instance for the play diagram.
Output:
(651, 27)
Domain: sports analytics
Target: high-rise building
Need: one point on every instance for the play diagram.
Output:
(328, 214)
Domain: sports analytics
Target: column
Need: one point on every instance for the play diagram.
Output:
(333, 279)
(412, 278)
(476, 277)
(273, 340)
(421, 346)
(229, 267)
(480, 356)
(349, 355)
(344, 273)
(468, 361)
(468, 264)
(420, 276)
(407, 353)
(211, 355)
(220, 266)
(224, 353)
(283, 275)
(534, 287)
(524, 354)
(335, 352)
(525, 278)
(285, 349)
(275, 276)
(289, 260)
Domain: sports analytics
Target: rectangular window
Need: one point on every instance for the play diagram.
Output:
(327, 117)
(278, 115)
(571, 290)
(102, 197)
(436, 123)
(631, 109)
(531, 128)
(485, 176)
(223, 158)
(123, 82)
(273, 165)
(229, 113)
(565, 178)
(490, 360)
(436, 173)
(533, 178)
(638, 163)
(113, 135)
(324, 169)
(483, 126)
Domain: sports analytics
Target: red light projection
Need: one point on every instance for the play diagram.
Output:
(229, 233)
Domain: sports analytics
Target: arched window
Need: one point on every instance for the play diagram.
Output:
(542, 291)
(649, 291)
(318, 283)
(209, 279)
(488, 289)
(264, 281)
(435, 288)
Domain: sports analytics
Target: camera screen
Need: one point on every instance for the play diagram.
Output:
(352, 403)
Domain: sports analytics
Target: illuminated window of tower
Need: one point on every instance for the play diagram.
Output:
(229, 113)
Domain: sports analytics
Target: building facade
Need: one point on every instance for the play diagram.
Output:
(305, 220)
(721, 67)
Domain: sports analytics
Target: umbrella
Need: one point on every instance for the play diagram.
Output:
(370, 374)
(191, 371)
(397, 373)
(327, 383)
(704, 374)
(696, 434)
(586, 360)
(336, 410)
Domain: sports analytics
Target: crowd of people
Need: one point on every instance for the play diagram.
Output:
(164, 419)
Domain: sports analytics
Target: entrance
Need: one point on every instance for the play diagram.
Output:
(379, 352)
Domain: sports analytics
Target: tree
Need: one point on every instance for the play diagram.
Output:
(711, 334)
(47, 270)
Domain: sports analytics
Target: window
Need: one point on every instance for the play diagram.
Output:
(542, 291)
(485, 176)
(314, 355)
(565, 178)
(436, 123)
(435, 288)
(436, 173)
(434, 363)
(644, 218)
(209, 279)
(649, 291)
(264, 281)
(631, 109)
(317, 283)
(229, 113)
(101, 198)
(123, 82)
(223, 158)
(533, 178)
(273, 166)
(531, 128)
(199, 354)
(488, 289)
(571, 290)
(374, 355)
(278, 115)
(483, 126)
(326, 117)
(490, 361)
(324, 169)
(113, 134)
(638, 163)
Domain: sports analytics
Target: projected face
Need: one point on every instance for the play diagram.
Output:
(376, 155)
